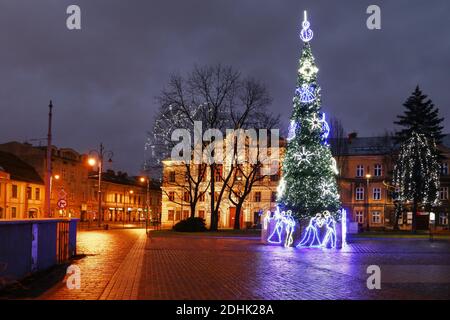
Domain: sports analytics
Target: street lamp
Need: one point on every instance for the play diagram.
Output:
(368, 176)
(147, 200)
(96, 158)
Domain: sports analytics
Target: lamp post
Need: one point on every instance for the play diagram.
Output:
(55, 177)
(96, 158)
(147, 200)
(368, 176)
(130, 192)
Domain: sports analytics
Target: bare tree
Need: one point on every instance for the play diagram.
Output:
(219, 98)
(339, 146)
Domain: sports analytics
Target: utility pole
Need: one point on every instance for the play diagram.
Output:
(100, 169)
(48, 176)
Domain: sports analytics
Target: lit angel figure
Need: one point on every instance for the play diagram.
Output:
(289, 223)
(311, 236)
(306, 93)
(292, 128)
(266, 220)
(334, 167)
(329, 240)
(275, 236)
(303, 156)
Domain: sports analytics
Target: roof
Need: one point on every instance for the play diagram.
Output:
(124, 179)
(369, 145)
(18, 169)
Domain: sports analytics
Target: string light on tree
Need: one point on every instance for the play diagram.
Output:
(309, 171)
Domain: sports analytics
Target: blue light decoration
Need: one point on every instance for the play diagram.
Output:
(283, 222)
(306, 34)
(290, 226)
(344, 227)
(311, 238)
(306, 93)
(292, 128)
(325, 127)
(275, 236)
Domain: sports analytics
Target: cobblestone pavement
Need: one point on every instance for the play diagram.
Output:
(106, 253)
(230, 268)
(124, 264)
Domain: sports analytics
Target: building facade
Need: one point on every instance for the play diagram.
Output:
(175, 192)
(365, 181)
(365, 177)
(22, 191)
(123, 197)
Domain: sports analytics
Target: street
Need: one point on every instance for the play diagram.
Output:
(124, 264)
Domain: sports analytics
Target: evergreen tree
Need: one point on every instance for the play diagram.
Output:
(422, 117)
(308, 185)
(416, 174)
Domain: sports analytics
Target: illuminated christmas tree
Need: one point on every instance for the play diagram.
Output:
(308, 186)
(416, 174)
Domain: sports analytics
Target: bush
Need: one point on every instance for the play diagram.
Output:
(191, 225)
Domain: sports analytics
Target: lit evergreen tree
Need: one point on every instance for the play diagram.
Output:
(422, 117)
(416, 174)
(308, 185)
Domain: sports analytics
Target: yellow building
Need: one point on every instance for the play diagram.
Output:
(22, 191)
(175, 194)
(124, 198)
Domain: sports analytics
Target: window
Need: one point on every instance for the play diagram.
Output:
(377, 170)
(177, 215)
(216, 196)
(186, 196)
(120, 200)
(359, 216)
(376, 217)
(1, 213)
(170, 215)
(273, 197)
(185, 214)
(444, 168)
(171, 196)
(258, 196)
(376, 193)
(443, 193)
(115, 197)
(201, 198)
(38, 194)
(359, 170)
(13, 212)
(275, 171)
(201, 214)
(29, 193)
(443, 218)
(14, 191)
(359, 193)
(172, 176)
(218, 173)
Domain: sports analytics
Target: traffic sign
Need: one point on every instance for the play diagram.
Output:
(62, 204)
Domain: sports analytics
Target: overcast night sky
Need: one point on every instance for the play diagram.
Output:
(103, 79)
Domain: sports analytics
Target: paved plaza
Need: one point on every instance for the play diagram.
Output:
(125, 264)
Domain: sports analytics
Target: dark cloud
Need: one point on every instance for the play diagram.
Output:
(103, 79)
